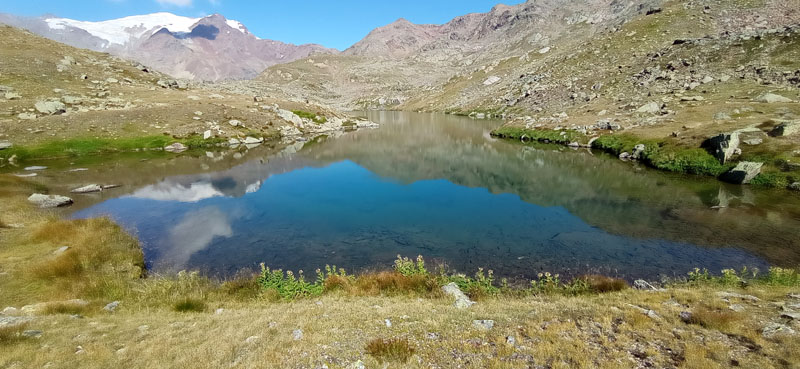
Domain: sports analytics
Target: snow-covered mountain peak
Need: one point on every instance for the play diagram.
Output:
(124, 30)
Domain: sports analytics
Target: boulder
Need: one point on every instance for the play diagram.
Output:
(770, 98)
(234, 142)
(724, 146)
(88, 189)
(26, 116)
(251, 140)
(49, 201)
(641, 284)
(650, 108)
(5, 145)
(234, 123)
(795, 186)
(207, 134)
(638, 150)
(462, 301)
(786, 128)
(50, 107)
(491, 80)
(112, 306)
(743, 173)
(176, 148)
(12, 96)
(483, 324)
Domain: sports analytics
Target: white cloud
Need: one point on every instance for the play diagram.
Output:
(175, 2)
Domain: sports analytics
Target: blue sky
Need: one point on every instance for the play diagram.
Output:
(333, 23)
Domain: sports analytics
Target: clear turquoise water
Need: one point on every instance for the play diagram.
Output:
(439, 186)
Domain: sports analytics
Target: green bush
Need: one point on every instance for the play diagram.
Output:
(316, 118)
(409, 268)
(524, 134)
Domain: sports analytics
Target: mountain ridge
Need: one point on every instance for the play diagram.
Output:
(138, 38)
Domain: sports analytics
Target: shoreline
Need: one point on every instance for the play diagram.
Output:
(656, 154)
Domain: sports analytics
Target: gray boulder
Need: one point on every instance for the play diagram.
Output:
(650, 108)
(770, 98)
(786, 128)
(50, 107)
(724, 146)
(795, 186)
(5, 145)
(638, 150)
(88, 189)
(483, 324)
(49, 201)
(743, 173)
(176, 148)
(462, 301)
(251, 141)
(112, 306)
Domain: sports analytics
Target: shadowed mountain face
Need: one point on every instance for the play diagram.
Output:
(211, 48)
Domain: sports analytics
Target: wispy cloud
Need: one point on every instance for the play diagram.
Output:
(215, 2)
(175, 2)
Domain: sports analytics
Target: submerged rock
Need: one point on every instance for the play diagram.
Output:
(743, 173)
(49, 201)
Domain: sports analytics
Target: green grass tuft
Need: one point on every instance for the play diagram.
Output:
(190, 305)
(394, 349)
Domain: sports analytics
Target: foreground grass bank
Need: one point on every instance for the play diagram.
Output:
(662, 154)
(396, 318)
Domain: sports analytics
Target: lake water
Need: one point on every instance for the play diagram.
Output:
(438, 186)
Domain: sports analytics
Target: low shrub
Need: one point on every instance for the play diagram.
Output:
(189, 305)
(394, 349)
(603, 284)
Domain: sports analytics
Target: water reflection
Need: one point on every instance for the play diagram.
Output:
(442, 187)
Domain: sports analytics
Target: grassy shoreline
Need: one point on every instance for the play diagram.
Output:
(658, 154)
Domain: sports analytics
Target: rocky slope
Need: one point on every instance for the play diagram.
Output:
(53, 92)
(674, 72)
(211, 48)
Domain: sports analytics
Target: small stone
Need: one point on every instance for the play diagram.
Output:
(234, 142)
(36, 167)
(234, 123)
(770, 98)
(143, 328)
(650, 108)
(251, 141)
(795, 186)
(111, 307)
(32, 334)
(176, 148)
(722, 116)
(252, 339)
(79, 351)
(388, 323)
(357, 365)
(10, 310)
(219, 311)
(737, 308)
(686, 317)
(5, 145)
(511, 340)
(61, 250)
(26, 116)
(88, 189)
(432, 336)
(207, 134)
(483, 324)
(641, 284)
(297, 334)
